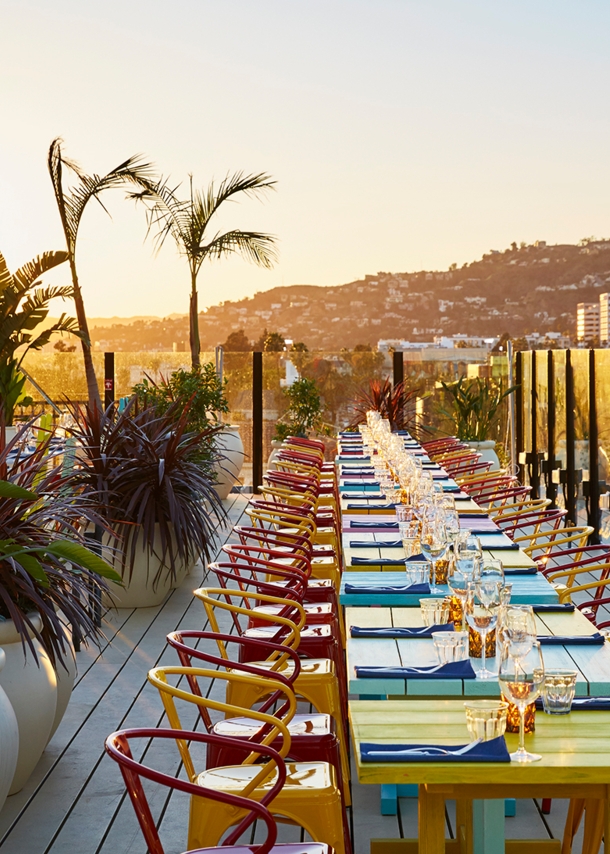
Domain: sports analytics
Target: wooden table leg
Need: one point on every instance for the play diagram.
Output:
(463, 824)
(431, 824)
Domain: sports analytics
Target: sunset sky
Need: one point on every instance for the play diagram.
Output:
(404, 134)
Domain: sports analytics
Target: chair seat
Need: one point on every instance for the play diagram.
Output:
(311, 666)
(314, 725)
(280, 848)
(307, 632)
(312, 609)
(317, 776)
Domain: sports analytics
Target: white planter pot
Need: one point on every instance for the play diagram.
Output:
(65, 684)
(32, 691)
(9, 740)
(276, 445)
(139, 591)
(227, 470)
(487, 450)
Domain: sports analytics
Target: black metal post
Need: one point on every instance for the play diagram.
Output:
(108, 379)
(534, 470)
(551, 487)
(594, 512)
(570, 461)
(519, 409)
(257, 421)
(398, 368)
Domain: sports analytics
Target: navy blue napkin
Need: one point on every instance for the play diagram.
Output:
(593, 704)
(596, 639)
(484, 751)
(552, 607)
(373, 589)
(399, 632)
(365, 523)
(520, 570)
(465, 514)
(451, 670)
(370, 544)
(378, 561)
(350, 495)
(377, 506)
(487, 542)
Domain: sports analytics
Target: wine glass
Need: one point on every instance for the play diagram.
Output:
(452, 524)
(433, 543)
(492, 570)
(481, 612)
(521, 679)
(462, 572)
(517, 629)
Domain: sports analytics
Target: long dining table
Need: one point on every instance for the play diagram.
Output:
(412, 710)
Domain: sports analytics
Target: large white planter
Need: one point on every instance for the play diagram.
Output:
(65, 683)
(9, 740)
(487, 450)
(231, 447)
(32, 691)
(275, 445)
(139, 591)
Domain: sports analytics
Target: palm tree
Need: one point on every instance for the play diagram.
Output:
(188, 221)
(71, 203)
(24, 305)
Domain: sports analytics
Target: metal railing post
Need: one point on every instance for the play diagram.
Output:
(257, 420)
(108, 379)
(519, 412)
(551, 486)
(570, 436)
(398, 368)
(533, 456)
(593, 508)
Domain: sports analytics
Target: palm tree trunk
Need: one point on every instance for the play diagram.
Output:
(194, 324)
(93, 391)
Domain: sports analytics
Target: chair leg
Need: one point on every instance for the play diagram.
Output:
(546, 806)
(573, 819)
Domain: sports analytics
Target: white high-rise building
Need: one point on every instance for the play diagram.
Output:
(587, 321)
(604, 318)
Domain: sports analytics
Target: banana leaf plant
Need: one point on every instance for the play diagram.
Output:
(394, 402)
(45, 567)
(475, 407)
(141, 470)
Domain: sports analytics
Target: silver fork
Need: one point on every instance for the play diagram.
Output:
(428, 751)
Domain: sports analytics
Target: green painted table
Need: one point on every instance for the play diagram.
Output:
(575, 762)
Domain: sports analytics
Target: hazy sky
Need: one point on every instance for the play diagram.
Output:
(404, 134)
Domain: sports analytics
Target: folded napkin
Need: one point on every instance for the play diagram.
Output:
(451, 670)
(593, 704)
(477, 751)
(400, 632)
(373, 544)
(568, 607)
(497, 542)
(596, 639)
(378, 561)
(520, 570)
(365, 523)
(373, 589)
(376, 506)
(378, 495)
(470, 514)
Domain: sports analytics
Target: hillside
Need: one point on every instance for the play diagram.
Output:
(519, 290)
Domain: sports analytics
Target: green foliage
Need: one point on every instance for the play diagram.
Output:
(475, 407)
(237, 342)
(24, 306)
(304, 411)
(395, 403)
(274, 343)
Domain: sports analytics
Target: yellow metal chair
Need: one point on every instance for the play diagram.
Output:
(529, 505)
(576, 536)
(317, 683)
(310, 797)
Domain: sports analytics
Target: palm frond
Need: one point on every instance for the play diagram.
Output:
(26, 276)
(6, 280)
(64, 324)
(252, 245)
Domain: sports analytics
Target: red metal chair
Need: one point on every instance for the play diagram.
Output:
(118, 748)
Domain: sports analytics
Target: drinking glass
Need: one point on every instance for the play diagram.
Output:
(558, 691)
(492, 570)
(517, 629)
(462, 571)
(481, 612)
(433, 543)
(409, 534)
(452, 523)
(521, 680)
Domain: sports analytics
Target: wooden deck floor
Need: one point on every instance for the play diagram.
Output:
(75, 803)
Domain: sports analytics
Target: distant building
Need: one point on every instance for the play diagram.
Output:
(587, 321)
(604, 317)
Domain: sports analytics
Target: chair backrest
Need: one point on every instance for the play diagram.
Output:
(276, 728)
(297, 543)
(117, 746)
(522, 526)
(516, 507)
(544, 542)
(280, 564)
(248, 578)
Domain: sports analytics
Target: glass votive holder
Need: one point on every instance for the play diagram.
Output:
(450, 646)
(417, 573)
(405, 513)
(513, 717)
(558, 691)
(434, 612)
(456, 610)
(476, 645)
(442, 568)
(486, 719)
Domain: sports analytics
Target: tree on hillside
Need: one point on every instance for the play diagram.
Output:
(188, 222)
(237, 342)
(71, 203)
(274, 343)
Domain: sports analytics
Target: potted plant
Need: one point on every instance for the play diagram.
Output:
(303, 414)
(46, 578)
(142, 471)
(221, 450)
(475, 413)
(394, 402)
(24, 305)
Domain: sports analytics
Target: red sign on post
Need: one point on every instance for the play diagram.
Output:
(109, 385)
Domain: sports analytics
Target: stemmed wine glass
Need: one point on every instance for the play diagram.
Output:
(521, 679)
(481, 612)
(433, 543)
(517, 629)
(462, 572)
(492, 570)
